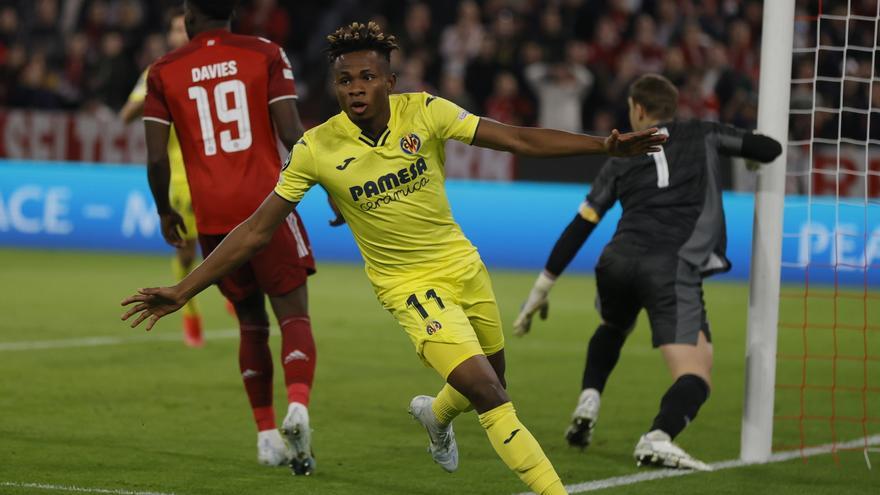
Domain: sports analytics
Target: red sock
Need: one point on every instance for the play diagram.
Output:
(255, 364)
(299, 357)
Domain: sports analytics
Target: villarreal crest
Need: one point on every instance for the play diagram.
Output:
(410, 144)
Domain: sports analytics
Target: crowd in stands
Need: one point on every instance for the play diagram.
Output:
(564, 64)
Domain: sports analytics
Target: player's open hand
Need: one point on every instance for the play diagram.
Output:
(634, 143)
(151, 304)
(172, 226)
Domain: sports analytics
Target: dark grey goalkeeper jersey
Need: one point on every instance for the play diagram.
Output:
(672, 199)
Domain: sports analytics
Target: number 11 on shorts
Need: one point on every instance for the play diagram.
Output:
(413, 301)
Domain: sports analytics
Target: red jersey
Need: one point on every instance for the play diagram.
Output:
(216, 91)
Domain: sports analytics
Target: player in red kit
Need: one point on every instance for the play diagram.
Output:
(223, 92)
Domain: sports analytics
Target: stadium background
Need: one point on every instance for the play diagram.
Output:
(84, 56)
(67, 66)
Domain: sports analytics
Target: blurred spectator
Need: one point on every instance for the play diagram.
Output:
(605, 48)
(693, 44)
(10, 30)
(551, 35)
(481, 71)
(14, 59)
(753, 13)
(506, 104)
(506, 34)
(675, 67)
(87, 53)
(418, 33)
(452, 88)
(668, 19)
(154, 47)
(411, 78)
(419, 40)
(628, 69)
(693, 101)
(743, 57)
(265, 18)
(76, 62)
(621, 12)
(710, 22)
(604, 121)
(560, 87)
(461, 41)
(649, 52)
(115, 73)
(95, 22)
(43, 35)
(130, 16)
(35, 87)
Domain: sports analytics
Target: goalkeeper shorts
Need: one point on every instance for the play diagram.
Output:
(668, 287)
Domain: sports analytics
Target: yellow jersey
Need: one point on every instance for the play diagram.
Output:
(175, 156)
(391, 188)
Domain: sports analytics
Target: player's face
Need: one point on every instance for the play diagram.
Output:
(363, 82)
(177, 33)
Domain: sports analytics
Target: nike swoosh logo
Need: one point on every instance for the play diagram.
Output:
(345, 164)
(512, 434)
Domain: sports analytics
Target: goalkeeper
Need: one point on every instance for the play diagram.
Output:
(670, 236)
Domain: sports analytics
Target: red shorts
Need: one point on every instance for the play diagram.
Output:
(279, 268)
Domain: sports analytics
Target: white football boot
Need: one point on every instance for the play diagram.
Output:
(442, 444)
(583, 419)
(296, 430)
(655, 448)
(271, 449)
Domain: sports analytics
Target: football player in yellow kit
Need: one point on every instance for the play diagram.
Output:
(381, 159)
(184, 257)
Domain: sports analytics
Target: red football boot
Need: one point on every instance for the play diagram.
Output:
(192, 331)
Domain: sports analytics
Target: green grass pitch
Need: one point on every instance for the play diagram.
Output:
(152, 415)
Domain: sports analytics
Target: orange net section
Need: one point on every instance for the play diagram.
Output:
(828, 362)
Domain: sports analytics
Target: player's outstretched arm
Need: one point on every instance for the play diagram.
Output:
(538, 142)
(566, 248)
(239, 246)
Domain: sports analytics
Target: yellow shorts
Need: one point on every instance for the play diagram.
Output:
(454, 306)
(182, 204)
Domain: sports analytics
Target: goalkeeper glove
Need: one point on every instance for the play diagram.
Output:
(536, 303)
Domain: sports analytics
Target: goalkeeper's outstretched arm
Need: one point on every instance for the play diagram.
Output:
(746, 144)
(760, 148)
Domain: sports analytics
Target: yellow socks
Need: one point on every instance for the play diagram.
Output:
(180, 271)
(520, 451)
(448, 404)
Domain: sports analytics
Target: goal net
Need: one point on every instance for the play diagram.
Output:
(828, 347)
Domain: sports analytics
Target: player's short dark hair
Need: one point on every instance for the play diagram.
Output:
(220, 10)
(657, 94)
(358, 36)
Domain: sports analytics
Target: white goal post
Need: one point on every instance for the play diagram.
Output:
(764, 278)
